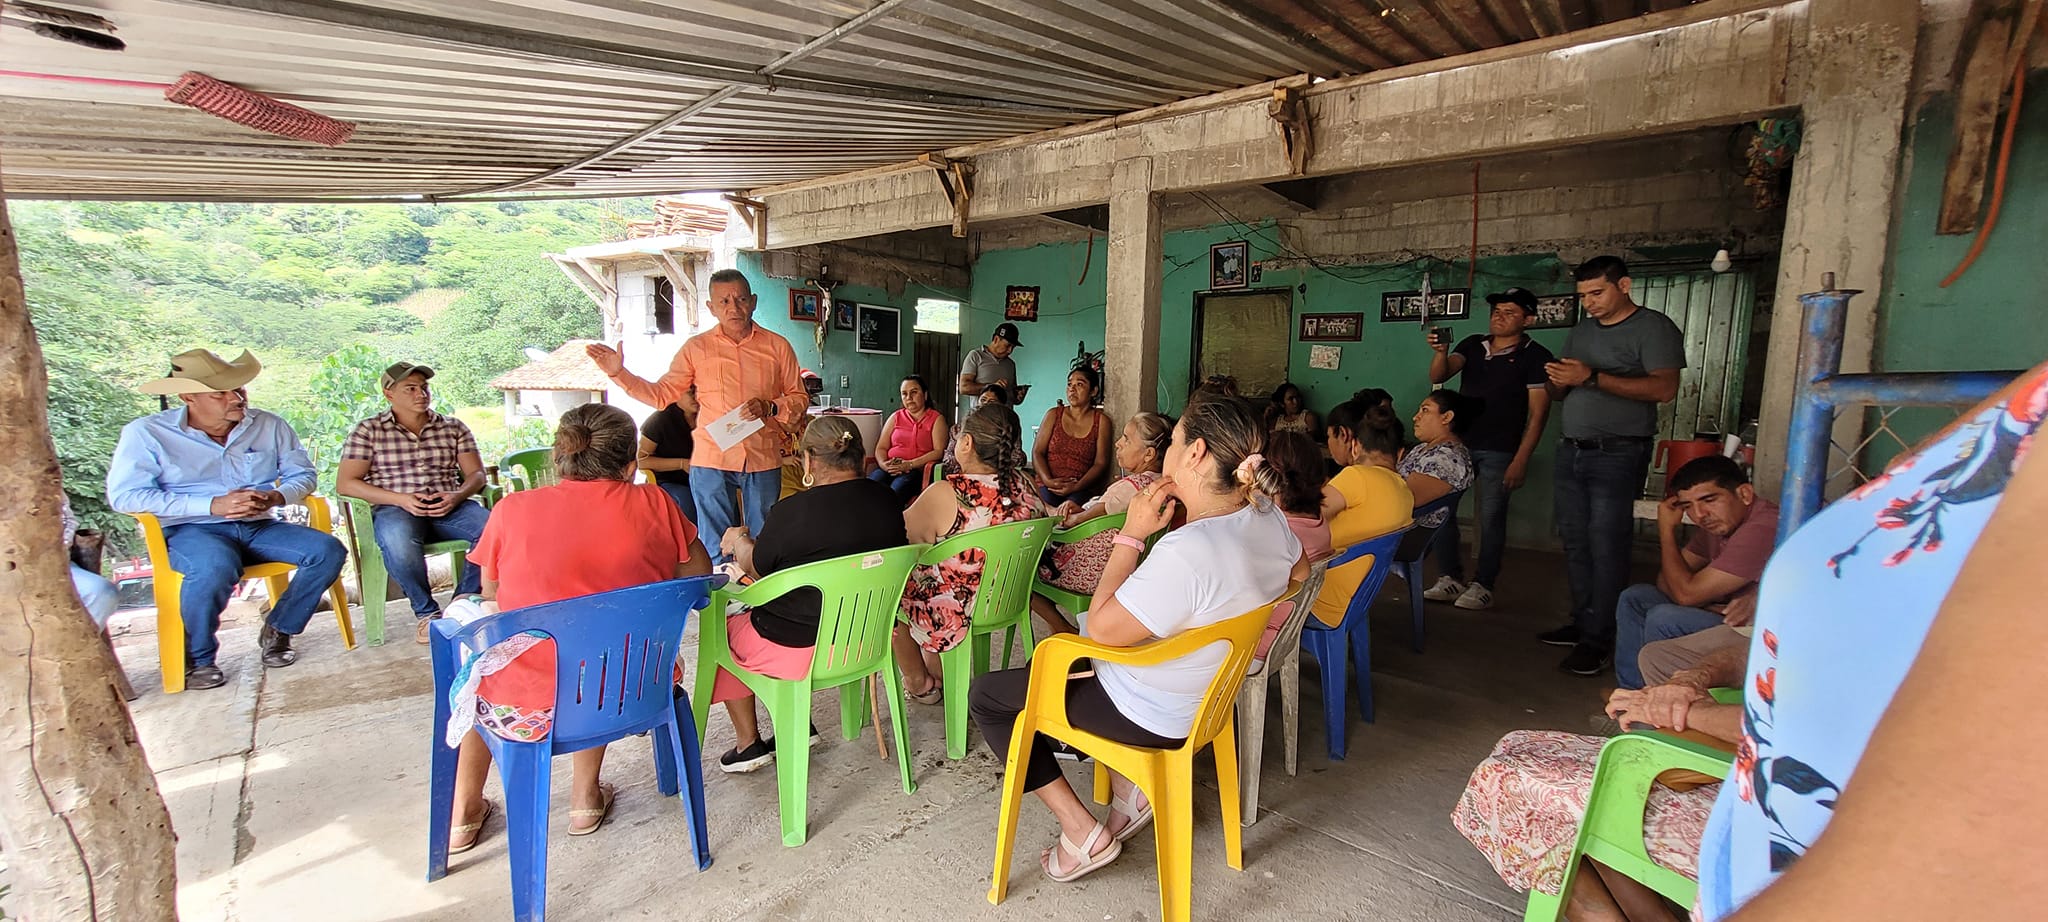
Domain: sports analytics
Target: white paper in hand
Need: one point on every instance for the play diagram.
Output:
(729, 430)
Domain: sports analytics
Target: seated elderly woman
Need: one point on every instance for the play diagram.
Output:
(841, 513)
(1076, 567)
(991, 489)
(1235, 554)
(1523, 804)
(594, 531)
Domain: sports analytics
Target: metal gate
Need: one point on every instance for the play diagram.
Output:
(1713, 310)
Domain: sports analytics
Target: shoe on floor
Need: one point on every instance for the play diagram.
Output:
(1585, 659)
(739, 761)
(276, 646)
(1474, 598)
(1567, 636)
(425, 629)
(198, 677)
(1445, 590)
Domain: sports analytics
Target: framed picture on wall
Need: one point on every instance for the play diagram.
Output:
(879, 330)
(1229, 265)
(842, 315)
(803, 305)
(1020, 302)
(1406, 306)
(1556, 312)
(1332, 328)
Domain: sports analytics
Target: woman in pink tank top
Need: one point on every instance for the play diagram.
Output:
(911, 438)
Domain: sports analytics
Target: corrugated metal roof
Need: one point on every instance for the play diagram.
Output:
(612, 97)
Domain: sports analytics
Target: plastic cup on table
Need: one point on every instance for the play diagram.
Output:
(846, 403)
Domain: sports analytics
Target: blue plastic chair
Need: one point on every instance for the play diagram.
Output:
(1352, 636)
(615, 656)
(1408, 558)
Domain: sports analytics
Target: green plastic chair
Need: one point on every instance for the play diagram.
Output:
(861, 594)
(527, 468)
(370, 565)
(1075, 603)
(1002, 603)
(1612, 830)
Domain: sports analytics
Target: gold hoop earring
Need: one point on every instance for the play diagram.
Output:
(807, 477)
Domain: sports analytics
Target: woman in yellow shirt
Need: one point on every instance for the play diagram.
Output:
(1366, 499)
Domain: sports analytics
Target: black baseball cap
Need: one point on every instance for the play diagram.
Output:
(1008, 333)
(1518, 296)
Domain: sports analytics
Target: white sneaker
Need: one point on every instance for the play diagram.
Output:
(1445, 590)
(1475, 597)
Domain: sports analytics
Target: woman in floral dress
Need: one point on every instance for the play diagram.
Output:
(991, 489)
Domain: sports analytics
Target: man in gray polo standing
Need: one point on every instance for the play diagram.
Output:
(1618, 364)
(991, 365)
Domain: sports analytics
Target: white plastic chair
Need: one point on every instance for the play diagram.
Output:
(1284, 658)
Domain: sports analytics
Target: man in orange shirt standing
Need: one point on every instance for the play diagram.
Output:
(740, 366)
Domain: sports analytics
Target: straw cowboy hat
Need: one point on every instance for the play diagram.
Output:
(202, 372)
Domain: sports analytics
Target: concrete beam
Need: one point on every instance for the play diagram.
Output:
(1131, 334)
(1838, 217)
(1712, 63)
(1093, 217)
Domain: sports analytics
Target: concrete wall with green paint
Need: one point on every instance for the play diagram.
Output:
(1992, 317)
(872, 379)
(1393, 356)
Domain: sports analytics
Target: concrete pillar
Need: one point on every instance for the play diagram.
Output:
(1839, 215)
(1131, 353)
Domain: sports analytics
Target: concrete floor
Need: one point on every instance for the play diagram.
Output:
(301, 794)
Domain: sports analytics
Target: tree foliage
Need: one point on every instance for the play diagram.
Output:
(314, 290)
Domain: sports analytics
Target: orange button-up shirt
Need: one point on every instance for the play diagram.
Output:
(727, 374)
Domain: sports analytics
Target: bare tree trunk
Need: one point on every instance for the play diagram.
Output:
(84, 828)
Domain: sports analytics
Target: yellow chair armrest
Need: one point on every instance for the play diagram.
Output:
(153, 539)
(320, 514)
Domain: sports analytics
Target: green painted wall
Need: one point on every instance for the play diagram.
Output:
(874, 378)
(1996, 315)
(1392, 356)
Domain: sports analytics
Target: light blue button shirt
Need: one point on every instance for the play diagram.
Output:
(168, 468)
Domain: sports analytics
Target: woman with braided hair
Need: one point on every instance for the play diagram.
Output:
(991, 489)
(1235, 554)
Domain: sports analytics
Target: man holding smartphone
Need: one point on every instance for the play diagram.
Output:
(1503, 368)
(418, 469)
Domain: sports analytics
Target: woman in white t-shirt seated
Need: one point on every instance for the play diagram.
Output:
(1235, 554)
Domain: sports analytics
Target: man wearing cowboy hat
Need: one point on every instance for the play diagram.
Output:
(211, 471)
(417, 469)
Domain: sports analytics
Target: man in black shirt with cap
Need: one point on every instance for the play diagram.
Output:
(1505, 370)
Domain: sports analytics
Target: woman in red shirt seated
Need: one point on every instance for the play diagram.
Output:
(911, 438)
(594, 531)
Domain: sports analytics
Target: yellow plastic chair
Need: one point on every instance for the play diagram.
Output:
(1165, 775)
(170, 626)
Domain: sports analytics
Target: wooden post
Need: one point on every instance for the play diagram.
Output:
(86, 831)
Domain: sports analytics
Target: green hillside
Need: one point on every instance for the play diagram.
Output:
(324, 294)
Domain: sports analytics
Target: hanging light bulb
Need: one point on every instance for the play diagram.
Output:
(1722, 262)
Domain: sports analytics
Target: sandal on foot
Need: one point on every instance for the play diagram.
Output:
(933, 695)
(1087, 864)
(1138, 820)
(601, 813)
(475, 831)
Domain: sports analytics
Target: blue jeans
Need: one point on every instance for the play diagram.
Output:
(210, 556)
(687, 504)
(1596, 494)
(403, 537)
(718, 509)
(96, 593)
(907, 486)
(1644, 616)
(1490, 502)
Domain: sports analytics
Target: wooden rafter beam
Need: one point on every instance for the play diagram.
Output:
(956, 179)
(755, 213)
(1290, 116)
(1981, 78)
(587, 283)
(682, 282)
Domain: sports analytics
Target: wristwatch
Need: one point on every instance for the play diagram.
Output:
(1593, 380)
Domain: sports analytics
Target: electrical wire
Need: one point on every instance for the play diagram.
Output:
(2012, 121)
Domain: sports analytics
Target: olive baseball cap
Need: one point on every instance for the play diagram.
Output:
(401, 371)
